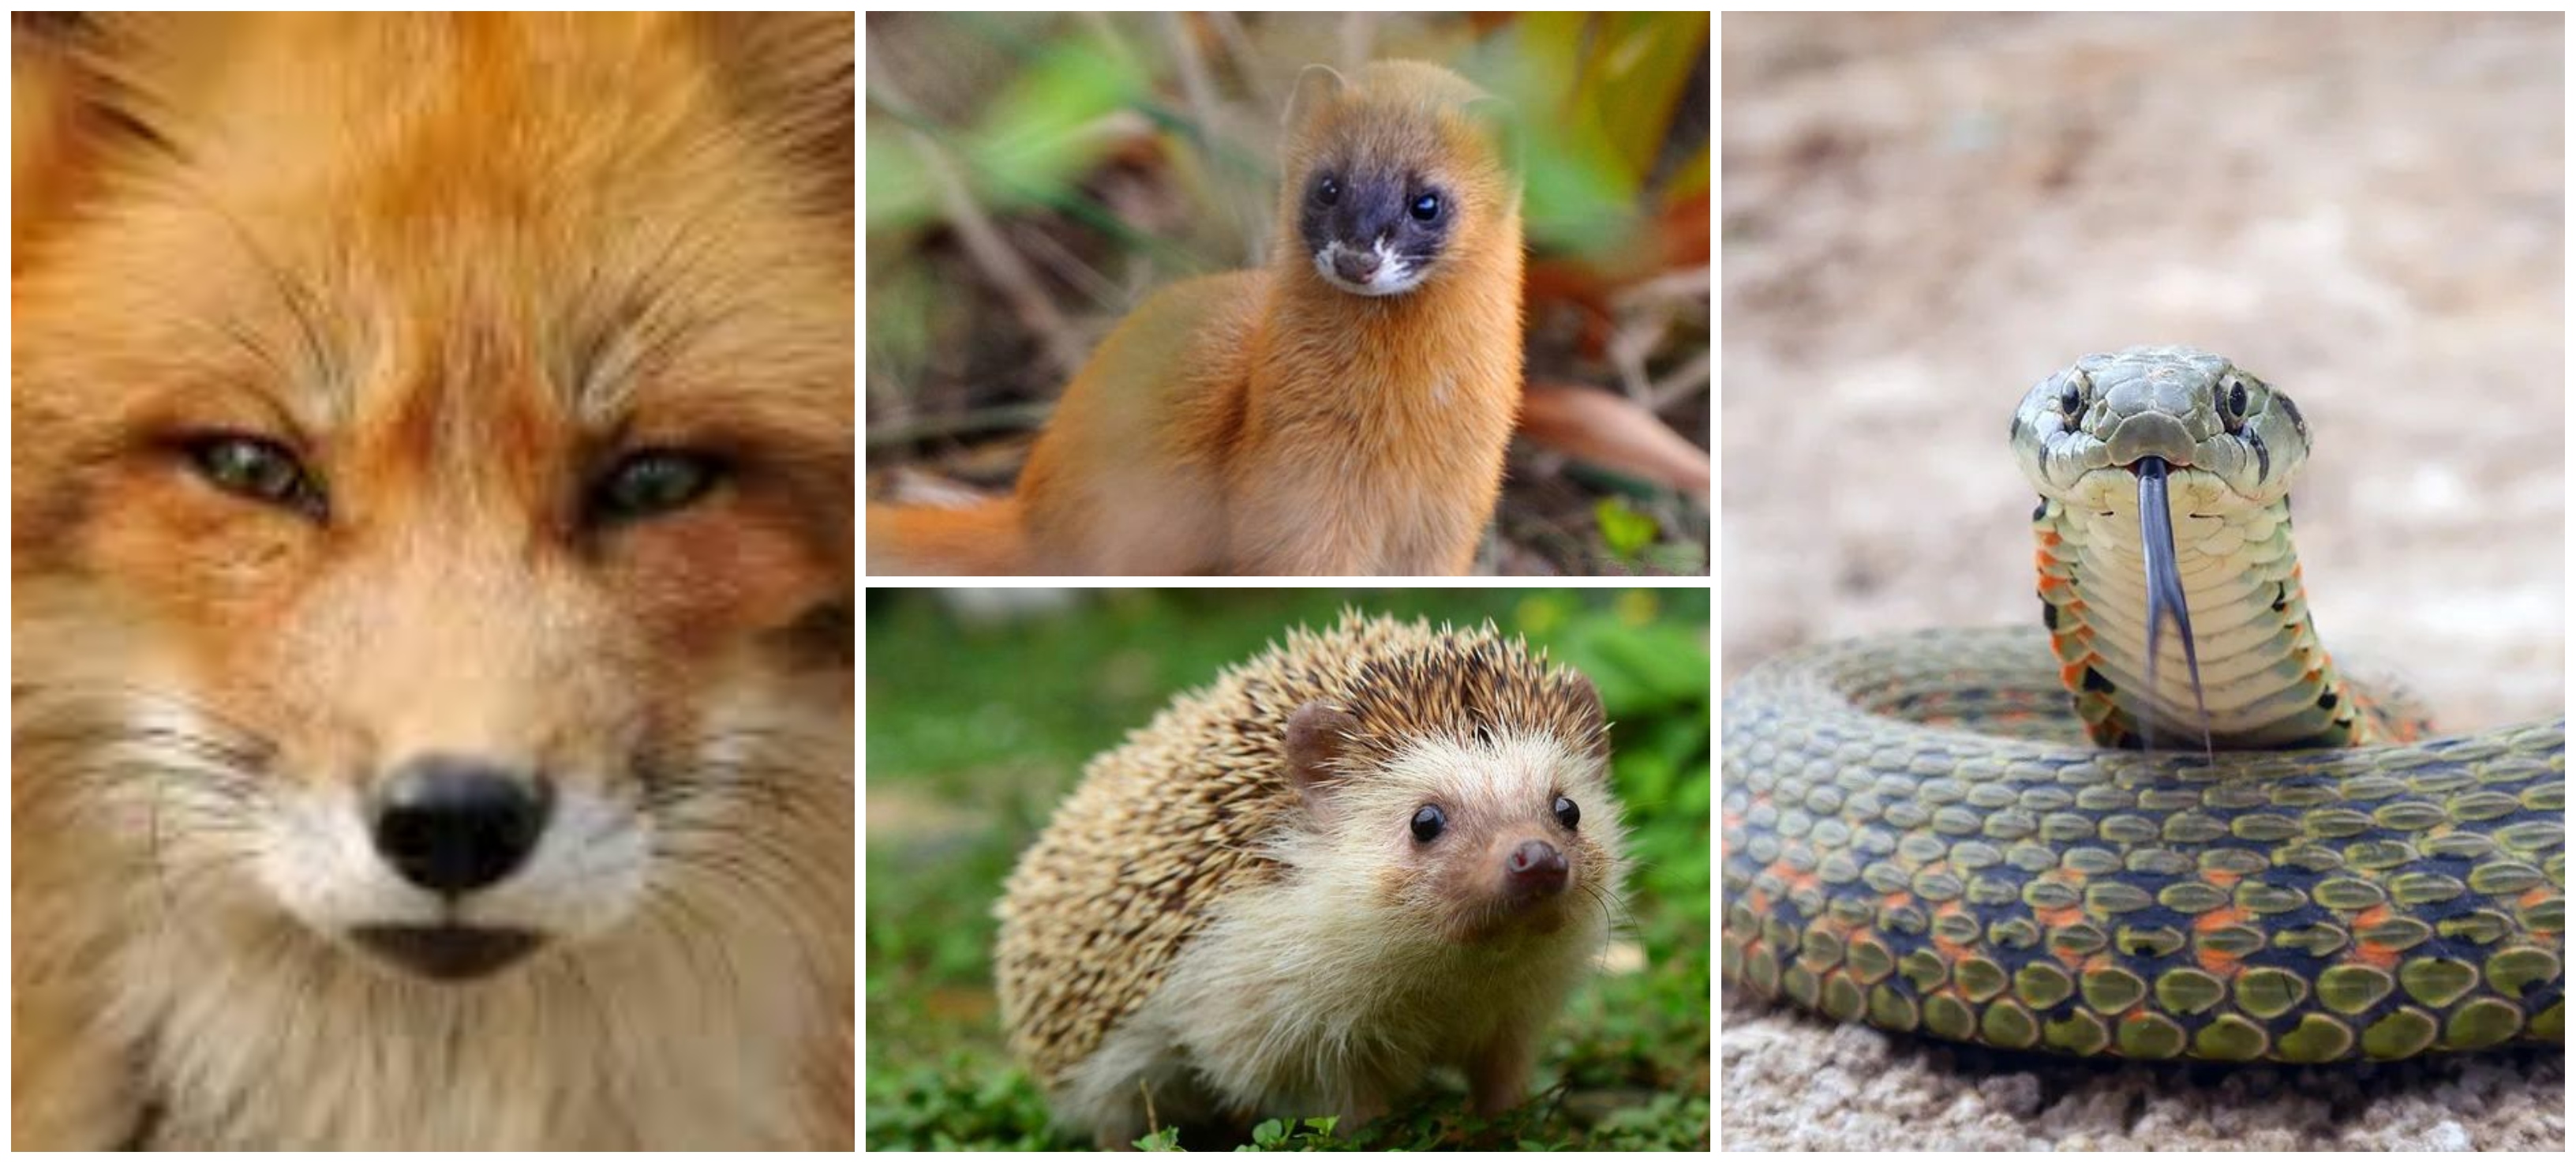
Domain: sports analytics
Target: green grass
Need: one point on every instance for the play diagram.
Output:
(976, 728)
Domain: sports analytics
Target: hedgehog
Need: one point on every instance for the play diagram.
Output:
(1358, 855)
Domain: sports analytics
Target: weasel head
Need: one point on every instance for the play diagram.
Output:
(1391, 173)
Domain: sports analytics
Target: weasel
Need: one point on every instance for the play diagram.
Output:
(1343, 410)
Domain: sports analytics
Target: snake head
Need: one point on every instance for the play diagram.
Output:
(2232, 441)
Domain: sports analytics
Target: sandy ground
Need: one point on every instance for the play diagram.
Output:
(1926, 214)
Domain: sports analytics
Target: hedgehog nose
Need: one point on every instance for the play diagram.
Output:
(454, 824)
(1536, 868)
(1355, 265)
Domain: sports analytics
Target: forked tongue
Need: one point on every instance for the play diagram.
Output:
(2164, 597)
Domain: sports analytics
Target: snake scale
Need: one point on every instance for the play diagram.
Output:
(2118, 834)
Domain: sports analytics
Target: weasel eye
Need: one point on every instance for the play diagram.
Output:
(1426, 207)
(1566, 813)
(653, 482)
(1428, 822)
(257, 468)
(1328, 190)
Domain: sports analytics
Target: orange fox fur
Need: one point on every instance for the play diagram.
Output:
(440, 282)
(1266, 422)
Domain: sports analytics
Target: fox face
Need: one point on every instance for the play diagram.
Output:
(433, 462)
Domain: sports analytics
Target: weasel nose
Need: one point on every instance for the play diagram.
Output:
(1536, 868)
(1355, 265)
(453, 824)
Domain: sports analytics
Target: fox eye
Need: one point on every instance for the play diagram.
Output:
(1426, 207)
(1328, 190)
(654, 482)
(257, 468)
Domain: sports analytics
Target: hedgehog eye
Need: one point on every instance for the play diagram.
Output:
(1428, 822)
(1566, 813)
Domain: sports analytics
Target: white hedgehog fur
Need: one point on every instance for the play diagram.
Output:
(1334, 988)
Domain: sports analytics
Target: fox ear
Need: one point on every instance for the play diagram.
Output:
(795, 73)
(51, 94)
(89, 91)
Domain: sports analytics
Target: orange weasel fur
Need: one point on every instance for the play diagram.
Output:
(432, 579)
(1343, 410)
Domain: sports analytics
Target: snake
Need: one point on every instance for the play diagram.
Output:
(2162, 824)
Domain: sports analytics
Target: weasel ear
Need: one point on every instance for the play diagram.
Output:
(1498, 121)
(1317, 86)
(1316, 736)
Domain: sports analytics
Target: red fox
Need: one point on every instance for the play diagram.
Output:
(432, 497)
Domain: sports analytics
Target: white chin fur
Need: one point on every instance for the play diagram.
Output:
(586, 875)
(1394, 275)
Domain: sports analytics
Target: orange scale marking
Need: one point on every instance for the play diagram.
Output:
(2370, 953)
(2213, 960)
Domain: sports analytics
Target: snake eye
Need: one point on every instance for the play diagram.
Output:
(2070, 400)
(2236, 399)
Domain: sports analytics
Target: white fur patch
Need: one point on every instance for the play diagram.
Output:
(688, 1018)
(1394, 275)
(319, 859)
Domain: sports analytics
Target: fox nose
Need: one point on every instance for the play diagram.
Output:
(454, 824)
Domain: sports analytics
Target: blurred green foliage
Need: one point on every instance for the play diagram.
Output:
(1025, 147)
(1597, 95)
(980, 716)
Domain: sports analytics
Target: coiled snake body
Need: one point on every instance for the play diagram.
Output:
(1962, 833)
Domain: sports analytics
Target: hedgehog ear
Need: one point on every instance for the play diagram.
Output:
(1585, 695)
(1588, 710)
(1316, 736)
